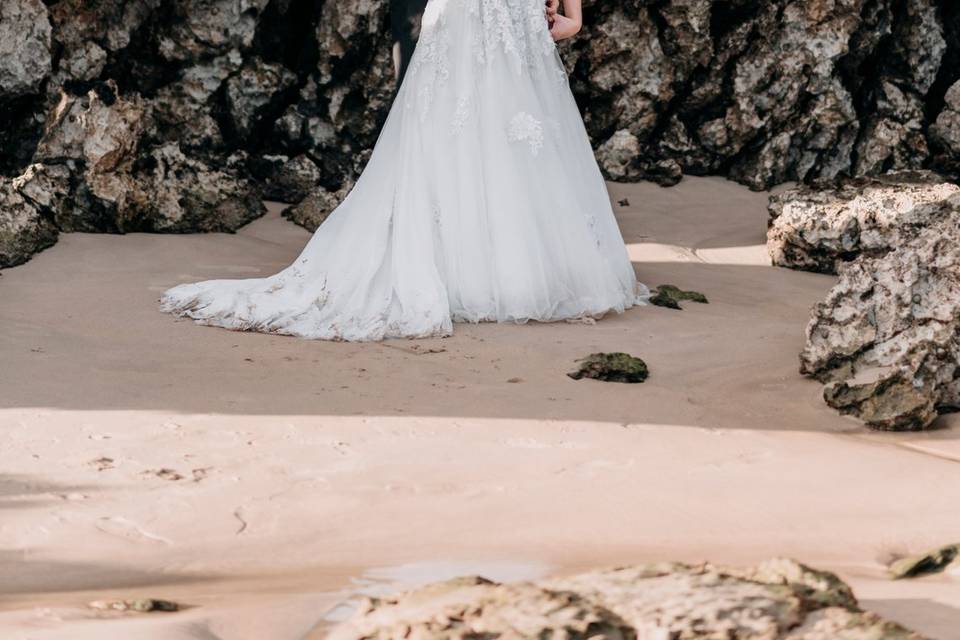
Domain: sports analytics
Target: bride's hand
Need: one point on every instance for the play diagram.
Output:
(563, 27)
(553, 6)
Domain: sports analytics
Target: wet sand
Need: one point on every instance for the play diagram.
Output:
(265, 479)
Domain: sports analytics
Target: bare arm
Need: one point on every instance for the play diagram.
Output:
(573, 9)
(569, 24)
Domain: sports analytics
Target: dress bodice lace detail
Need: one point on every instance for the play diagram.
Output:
(518, 28)
(511, 31)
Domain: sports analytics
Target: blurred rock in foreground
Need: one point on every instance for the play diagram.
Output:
(778, 600)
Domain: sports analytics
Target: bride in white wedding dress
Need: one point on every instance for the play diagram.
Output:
(482, 201)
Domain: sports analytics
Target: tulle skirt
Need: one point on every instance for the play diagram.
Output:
(482, 201)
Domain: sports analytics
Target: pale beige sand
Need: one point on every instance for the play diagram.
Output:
(312, 470)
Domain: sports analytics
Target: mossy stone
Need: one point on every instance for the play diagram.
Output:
(931, 562)
(661, 299)
(670, 296)
(612, 367)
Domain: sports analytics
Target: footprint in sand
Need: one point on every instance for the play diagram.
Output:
(121, 527)
(72, 497)
(102, 463)
(201, 473)
(163, 474)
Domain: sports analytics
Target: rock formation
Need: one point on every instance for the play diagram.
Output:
(760, 92)
(817, 227)
(25, 226)
(25, 41)
(945, 558)
(286, 179)
(316, 206)
(945, 131)
(886, 341)
(778, 600)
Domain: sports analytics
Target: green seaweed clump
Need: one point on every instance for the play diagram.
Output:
(670, 296)
(927, 563)
(612, 367)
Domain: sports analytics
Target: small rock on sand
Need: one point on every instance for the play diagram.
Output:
(140, 605)
(933, 561)
(612, 367)
(670, 296)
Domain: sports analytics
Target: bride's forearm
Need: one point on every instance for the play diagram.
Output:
(573, 9)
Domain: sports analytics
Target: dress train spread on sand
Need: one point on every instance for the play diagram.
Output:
(482, 201)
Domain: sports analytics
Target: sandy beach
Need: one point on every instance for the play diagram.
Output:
(264, 481)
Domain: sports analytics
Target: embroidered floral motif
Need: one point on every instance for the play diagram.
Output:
(426, 100)
(525, 128)
(517, 26)
(461, 114)
(431, 60)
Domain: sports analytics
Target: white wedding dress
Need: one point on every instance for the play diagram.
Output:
(482, 201)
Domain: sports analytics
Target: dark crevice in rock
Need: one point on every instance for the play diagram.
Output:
(140, 67)
(728, 15)
(949, 73)
(285, 34)
(20, 131)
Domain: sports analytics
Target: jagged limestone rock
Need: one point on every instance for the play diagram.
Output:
(783, 601)
(25, 47)
(140, 605)
(619, 155)
(946, 130)
(290, 180)
(181, 194)
(886, 341)
(817, 228)
(120, 182)
(252, 91)
(24, 230)
(316, 207)
(203, 28)
(185, 108)
(696, 83)
(933, 561)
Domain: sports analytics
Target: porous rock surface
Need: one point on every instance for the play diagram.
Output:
(818, 227)
(25, 47)
(24, 227)
(778, 600)
(886, 340)
(945, 131)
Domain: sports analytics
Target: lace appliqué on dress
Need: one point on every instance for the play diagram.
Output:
(432, 55)
(525, 128)
(461, 114)
(519, 27)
